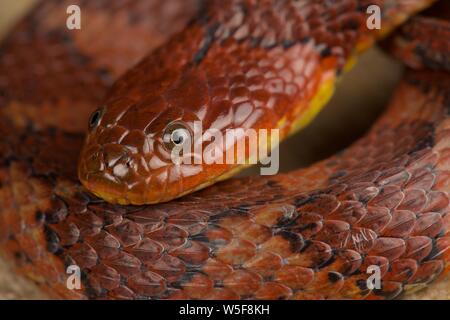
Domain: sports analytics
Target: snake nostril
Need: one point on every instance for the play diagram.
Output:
(94, 164)
(95, 118)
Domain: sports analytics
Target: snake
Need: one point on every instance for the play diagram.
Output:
(86, 178)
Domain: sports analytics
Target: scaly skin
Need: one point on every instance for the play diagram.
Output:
(240, 64)
(309, 234)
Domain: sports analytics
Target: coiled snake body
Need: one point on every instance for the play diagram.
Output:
(310, 234)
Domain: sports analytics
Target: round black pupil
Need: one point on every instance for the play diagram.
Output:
(177, 137)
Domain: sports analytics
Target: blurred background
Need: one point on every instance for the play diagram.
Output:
(360, 99)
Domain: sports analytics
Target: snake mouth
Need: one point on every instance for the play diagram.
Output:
(97, 186)
(116, 191)
(156, 189)
(114, 174)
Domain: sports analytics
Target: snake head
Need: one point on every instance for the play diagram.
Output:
(142, 154)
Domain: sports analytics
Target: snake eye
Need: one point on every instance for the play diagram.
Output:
(95, 118)
(176, 134)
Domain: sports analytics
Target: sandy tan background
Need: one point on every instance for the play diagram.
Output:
(359, 100)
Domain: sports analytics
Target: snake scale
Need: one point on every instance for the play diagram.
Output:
(309, 234)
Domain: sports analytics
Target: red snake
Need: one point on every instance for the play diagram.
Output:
(309, 234)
